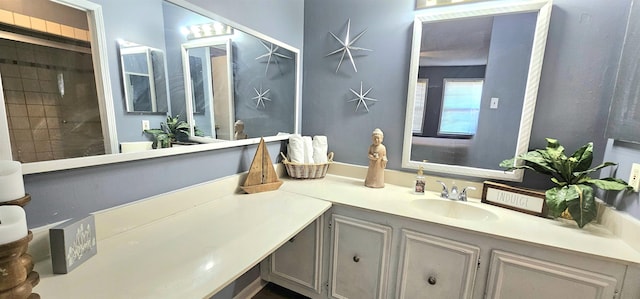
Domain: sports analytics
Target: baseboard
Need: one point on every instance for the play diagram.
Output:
(252, 289)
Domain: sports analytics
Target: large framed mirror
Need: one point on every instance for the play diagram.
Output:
(116, 120)
(473, 84)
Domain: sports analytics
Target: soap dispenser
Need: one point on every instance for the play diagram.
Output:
(420, 183)
(453, 194)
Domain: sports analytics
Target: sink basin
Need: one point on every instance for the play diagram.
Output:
(454, 209)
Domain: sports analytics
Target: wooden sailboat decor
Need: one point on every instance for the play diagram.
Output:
(262, 175)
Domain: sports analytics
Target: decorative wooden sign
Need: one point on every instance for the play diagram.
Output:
(72, 243)
(518, 199)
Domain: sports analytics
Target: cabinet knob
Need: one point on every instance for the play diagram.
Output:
(431, 280)
(356, 258)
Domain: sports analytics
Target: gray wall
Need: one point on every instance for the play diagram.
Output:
(578, 75)
(626, 108)
(624, 154)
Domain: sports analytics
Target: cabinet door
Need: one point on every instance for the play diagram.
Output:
(299, 260)
(359, 258)
(516, 276)
(433, 267)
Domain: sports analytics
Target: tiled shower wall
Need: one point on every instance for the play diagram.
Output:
(51, 103)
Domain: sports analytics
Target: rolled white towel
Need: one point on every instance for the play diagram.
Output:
(295, 149)
(320, 149)
(308, 149)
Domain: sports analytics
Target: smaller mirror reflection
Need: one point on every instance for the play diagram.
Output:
(143, 78)
(210, 74)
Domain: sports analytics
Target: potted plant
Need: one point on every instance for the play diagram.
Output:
(170, 132)
(574, 188)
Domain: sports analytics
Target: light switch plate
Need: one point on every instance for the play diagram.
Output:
(494, 103)
(145, 125)
(634, 177)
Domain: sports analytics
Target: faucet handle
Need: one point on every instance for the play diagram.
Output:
(463, 194)
(444, 193)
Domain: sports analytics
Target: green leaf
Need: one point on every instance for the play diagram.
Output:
(583, 209)
(538, 161)
(554, 149)
(584, 157)
(556, 199)
(592, 170)
(558, 182)
(154, 131)
(609, 184)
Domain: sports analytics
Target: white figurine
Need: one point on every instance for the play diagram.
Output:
(238, 128)
(377, 161)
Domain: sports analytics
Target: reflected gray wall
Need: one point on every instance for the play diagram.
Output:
(249, 74)
(506, 79)
(142, 23)
(175, 17)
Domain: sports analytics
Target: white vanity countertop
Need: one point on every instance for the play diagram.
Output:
(593, 239)
(193, 253)
(193, 242)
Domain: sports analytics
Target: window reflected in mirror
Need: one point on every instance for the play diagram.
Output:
(460, 107)
(49, 86)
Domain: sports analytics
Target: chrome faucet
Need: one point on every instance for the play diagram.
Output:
(445, 192)
(454, 194)
(463, 194)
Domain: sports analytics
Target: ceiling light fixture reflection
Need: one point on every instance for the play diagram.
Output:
(206, 30)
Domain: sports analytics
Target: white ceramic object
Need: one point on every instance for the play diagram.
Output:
(137, 146)
(11, 182)
(13, 226)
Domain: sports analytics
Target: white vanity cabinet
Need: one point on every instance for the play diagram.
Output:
(297, 263)
(359, 258)
(369, 254)
(517, 276)
(433, 267)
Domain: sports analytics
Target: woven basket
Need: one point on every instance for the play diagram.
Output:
(307, 171)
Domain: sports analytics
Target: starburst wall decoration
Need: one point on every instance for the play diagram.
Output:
(362, 98)
(272, 55)
(261, 96)
(348, 47)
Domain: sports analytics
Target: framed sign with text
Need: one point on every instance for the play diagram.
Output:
(518, 199)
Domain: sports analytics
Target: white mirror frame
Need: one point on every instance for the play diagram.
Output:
(543, 7)
(105, 99)
(187, 77)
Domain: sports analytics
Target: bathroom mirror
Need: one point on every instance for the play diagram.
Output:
(208, 73)
(226, 71)
(143, 78)
(473, 84)
(109, 22)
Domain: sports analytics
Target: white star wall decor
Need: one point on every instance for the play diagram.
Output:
(347, 46)
(261, 97)
(362, 98)
(272, 54)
